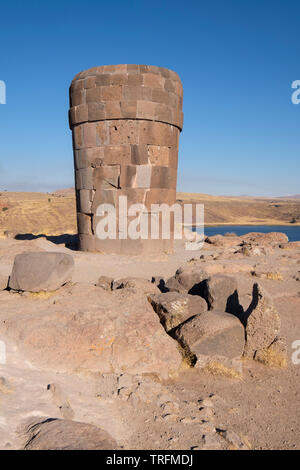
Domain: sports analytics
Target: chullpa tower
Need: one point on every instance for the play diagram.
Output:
(125, 121)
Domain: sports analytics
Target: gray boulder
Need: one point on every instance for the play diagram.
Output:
(60, 434)
(211, 334)
(173, 285)
(262, 322)
(174, 308)
(190, 277)
(220, 293)
(41, 271)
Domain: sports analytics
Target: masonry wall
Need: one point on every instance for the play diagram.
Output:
(125, 121)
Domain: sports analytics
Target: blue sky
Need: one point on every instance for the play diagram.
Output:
(237, 60)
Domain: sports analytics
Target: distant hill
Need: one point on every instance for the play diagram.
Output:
(55, 214)
(296, 196)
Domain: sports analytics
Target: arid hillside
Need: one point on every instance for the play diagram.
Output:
(55, 214)
(246, 210)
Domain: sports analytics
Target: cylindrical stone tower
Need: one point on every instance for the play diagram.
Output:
(125, 121)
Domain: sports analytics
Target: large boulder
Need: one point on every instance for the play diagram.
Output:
(221, 293)
(85, 328)
(40, 271)
(61, 434)
(174, 308)
(211, 334)
(262, 322)
(173, 285)
(190, 277)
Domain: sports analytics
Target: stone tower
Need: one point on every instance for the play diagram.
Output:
(125, 121)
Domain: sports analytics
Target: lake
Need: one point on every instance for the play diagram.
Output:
(293, 232)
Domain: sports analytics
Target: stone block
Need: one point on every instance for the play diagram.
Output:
(106, 177)
(84, 222)
(86, 242)
(78, 136)
(146, 110)
(128, 109)
(117, 154)
(158, 155)
(89, 134)
(123, 132)
(163, 177)
(111, 93)
(103, 196)
(93, 95)
(164, 113)
(143, 176)
(96, 111)
(127, 176)
(85, 201)
(102, 135)
(113, 110)
(139, 155)
(153, 80)
(90, 157)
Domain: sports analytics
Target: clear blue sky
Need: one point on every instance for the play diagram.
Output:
(236, 58)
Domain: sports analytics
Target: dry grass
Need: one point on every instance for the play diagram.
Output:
(5, 390)
(216, 368)
(43, 295)
(272, 357)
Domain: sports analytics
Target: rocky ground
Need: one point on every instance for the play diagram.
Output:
(188, 351)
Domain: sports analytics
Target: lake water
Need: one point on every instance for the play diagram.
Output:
(293, 232)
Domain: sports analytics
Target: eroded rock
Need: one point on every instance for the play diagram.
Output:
(262, 322)
(41, 271)
(60, 434)
(174, 308)
(213, 333)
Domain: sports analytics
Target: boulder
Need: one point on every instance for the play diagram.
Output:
(220, 293)
(40, 271)
(105, 282)
(135, 284)
(262, 322)
(190, 277)
(211, 334)
(61, 434)
(173, 285)
(174, 308)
